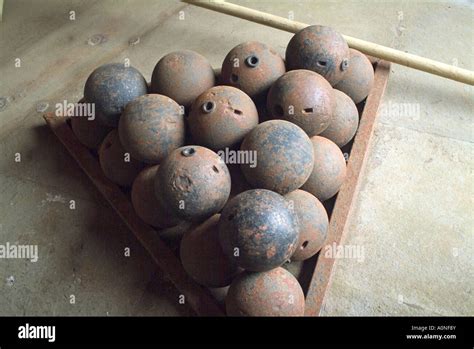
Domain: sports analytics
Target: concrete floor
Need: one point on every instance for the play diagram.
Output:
(413, 216)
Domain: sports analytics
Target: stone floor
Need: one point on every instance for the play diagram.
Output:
(413, 216)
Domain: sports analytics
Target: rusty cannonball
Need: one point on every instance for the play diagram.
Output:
(270, 293)
(221, 117)
(329, 169)
(202, 256)
(252, 67)
(110, 87)
(88, 130)
(304, 98)
(150, 127)
(258, 230)
(345, 120)
(145, 203)
(359, 77)
(116, 162)
(313, 220)
(193, 182)
(284, 156)
(182, 76)
(320, 49)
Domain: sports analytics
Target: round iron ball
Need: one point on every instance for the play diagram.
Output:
(345, 120)
(320, 49)
(152, 126)
(270, 293)
(221, 117)
(89, 131)
(329, 169)
(359, 77)
(182, 76)
(252, 67)
(313, 220)
(193, 182)
(284, 156)
(202, 256)
(110, 87)
(116, 163)
(304, 98)
(145, 202)
(258, 230)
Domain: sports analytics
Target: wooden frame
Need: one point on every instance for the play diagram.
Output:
(198, 297)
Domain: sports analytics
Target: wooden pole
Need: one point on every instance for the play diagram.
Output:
(369, 48)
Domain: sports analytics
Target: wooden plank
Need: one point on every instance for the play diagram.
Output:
(196, 296)
(343, 207)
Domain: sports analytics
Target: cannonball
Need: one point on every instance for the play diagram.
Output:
(270, 293)
(258, 230)
(182, 76)
(110, 87)
(284, 156)
(202, 256)
(152, 126)
(193, 182)
(304, 98)
(320, 49)
(329, 169)
(116, 163)
(252, 67)
(145, 203)
(345, 120)
(221, 117)
(359, 77)
(313, 220)
(88, 130)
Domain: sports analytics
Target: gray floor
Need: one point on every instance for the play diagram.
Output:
(413, 217)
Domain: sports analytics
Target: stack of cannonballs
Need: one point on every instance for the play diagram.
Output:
(249, 157)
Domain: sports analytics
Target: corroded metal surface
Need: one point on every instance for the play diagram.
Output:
(284, 156)
(193, 182)
(320, 49)
(345, 120)
(196, 296)
(111, 87)
(344, 203)
(329, 169)
(89, 132)
(119, 167)
(252, 67)
(271, 293)
(150, 127)
(182, 76)
(258, 230)
(358, 80)
(145, 203)
(202, 256)
(221, 117)
(313, 220)
(304, 98)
